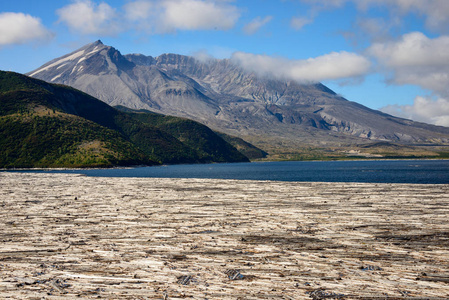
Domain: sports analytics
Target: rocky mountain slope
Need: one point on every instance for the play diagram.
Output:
(218, 93)
(49, 125)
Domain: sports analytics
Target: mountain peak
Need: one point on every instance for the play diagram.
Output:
(73, 63)
(223, 95)
(97, 45)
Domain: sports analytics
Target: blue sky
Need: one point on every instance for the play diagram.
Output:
(386, 54)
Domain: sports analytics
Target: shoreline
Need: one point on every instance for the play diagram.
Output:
(213, 163)
(373, 171)
(70, 236)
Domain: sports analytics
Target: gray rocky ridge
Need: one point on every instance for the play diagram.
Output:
(221, 95)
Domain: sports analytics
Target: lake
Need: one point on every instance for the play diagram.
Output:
(377, 171)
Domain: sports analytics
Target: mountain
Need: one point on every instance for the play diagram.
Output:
(273, 114)
(49, 125)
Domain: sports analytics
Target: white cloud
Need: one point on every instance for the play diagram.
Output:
(434, 12)
(149, 16)
(253, 26)
(424, 109)
(138, 10)
(298, 23)
(19, 28)
(203, 56)
(198, 15)
(333, 66)
(413, 49)
(86, 17)
(416, 59)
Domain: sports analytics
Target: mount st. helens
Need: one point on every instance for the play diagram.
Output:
(270, 113)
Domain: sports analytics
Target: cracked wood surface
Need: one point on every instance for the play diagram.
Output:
(71, 236)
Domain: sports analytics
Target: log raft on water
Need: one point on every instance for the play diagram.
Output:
(72, 236)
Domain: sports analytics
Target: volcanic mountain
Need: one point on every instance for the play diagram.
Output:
(268, 112)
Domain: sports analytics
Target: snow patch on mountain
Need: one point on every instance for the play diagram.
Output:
(59, 62)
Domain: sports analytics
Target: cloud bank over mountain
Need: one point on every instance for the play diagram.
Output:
(333, 66)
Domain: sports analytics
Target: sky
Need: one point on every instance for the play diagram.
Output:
(391, 55)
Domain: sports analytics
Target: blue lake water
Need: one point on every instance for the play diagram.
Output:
(379, 171)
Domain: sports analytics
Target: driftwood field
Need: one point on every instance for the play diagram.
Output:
(68, 236)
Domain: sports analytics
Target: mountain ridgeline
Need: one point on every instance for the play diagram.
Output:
(270, 113)
(50, 125)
